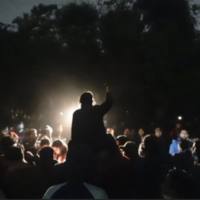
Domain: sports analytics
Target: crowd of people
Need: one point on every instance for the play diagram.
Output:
(97, 164)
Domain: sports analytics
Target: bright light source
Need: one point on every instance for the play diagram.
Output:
(61, 113)
(180, 117)
(69, 115)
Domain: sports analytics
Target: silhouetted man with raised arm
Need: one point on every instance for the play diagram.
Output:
(87, 124)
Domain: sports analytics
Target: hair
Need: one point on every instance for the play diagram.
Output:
(86, 98)
(45, 141)
(131, 150)
(6, 142)
(122, 139)
(14, 154)
(158, 129)
(60, 144)
(151, 145)
(46, 153)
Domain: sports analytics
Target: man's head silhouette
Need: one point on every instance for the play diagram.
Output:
(86, 98)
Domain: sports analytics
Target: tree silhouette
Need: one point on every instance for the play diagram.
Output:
(147, 51)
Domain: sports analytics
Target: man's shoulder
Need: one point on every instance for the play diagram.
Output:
(50, 192)
(96, 106)
(77, 111)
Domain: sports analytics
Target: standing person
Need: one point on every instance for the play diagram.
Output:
(162, 143)
(130, 134)
(87, 123)
(148, 170)
(174, 147)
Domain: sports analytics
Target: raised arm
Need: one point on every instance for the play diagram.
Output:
(107, 104)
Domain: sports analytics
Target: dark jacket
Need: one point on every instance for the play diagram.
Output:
(87, 124)
(184, 160)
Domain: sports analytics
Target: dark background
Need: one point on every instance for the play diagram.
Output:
(146, 51)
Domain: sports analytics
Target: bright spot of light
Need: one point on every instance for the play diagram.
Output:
(61, 113)
(69, 115)
(180, 117)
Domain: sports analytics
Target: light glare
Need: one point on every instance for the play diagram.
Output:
(180, 118)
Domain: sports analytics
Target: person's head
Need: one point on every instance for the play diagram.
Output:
(59, 147)
(130, 150)
(86, 98)
(33, 133)
(121, 140)
(150, 146)
(178, 125)
(178, 185)
(6, 142)
(44, 143)
(14, 154)
(110, 146)
(48, 131)
(158, 132)
(127, 132)
(46, 154)
(184, 145)
(30, 134)
(184, 134)
(141, 132)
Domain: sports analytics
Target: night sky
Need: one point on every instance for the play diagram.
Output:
(9, 9)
